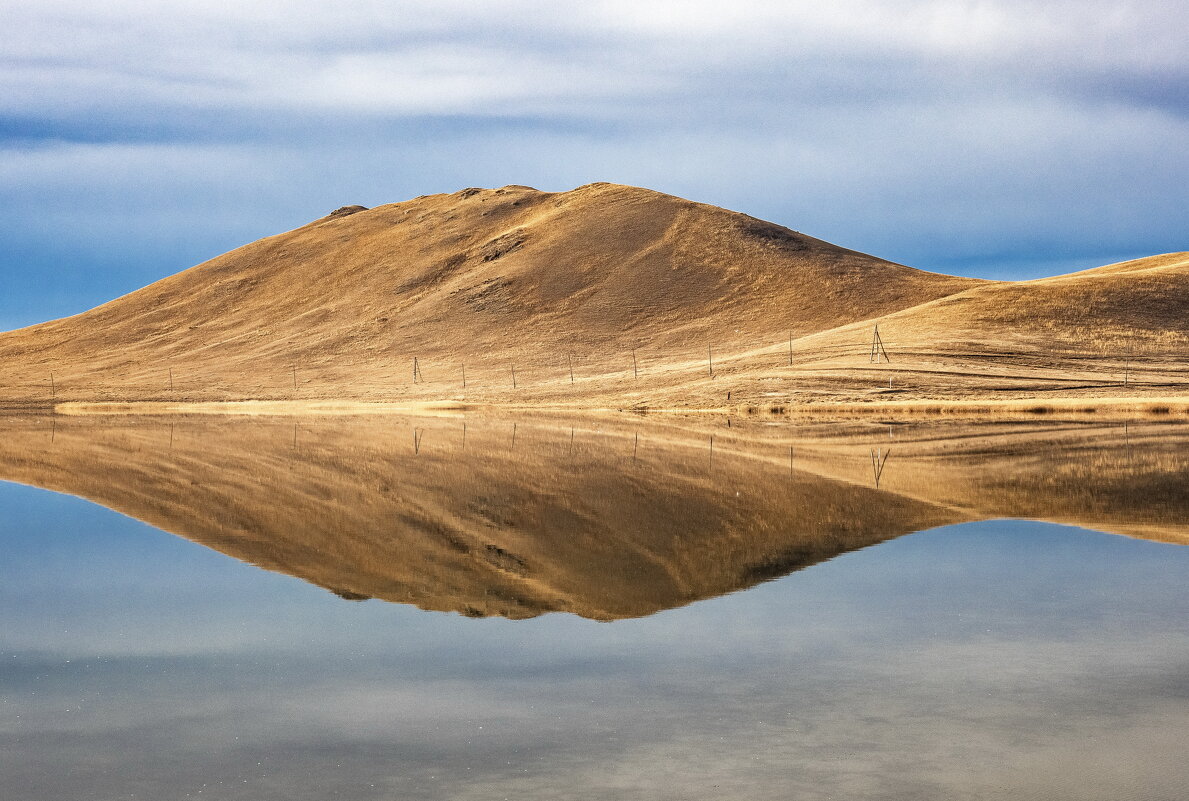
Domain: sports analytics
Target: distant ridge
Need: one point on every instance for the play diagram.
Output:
(566, 284)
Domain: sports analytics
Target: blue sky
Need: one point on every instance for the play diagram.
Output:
(998, 138)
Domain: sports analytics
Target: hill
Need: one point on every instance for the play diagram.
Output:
(604, 295)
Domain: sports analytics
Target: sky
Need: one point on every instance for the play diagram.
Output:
(996, 138)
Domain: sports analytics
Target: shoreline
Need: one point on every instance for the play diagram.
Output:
(1024, 408)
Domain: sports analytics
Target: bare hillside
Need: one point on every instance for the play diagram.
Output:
(493, 278)
(605, 296)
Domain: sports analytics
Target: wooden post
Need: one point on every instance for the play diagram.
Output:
(513, 376)
(635, 446)
(570, 361)
(635, 372)
(171, 379)
(710, 358)
(295, 378)
(464, 376)
(416, 370)
(53, 386)
(790, 348)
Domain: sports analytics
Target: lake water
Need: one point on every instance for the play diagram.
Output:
(537, 607)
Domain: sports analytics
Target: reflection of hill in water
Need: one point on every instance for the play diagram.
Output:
(605, 519)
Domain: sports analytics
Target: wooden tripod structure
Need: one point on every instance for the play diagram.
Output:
(878, 351)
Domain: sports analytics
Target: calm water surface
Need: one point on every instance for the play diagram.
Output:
(611, 610)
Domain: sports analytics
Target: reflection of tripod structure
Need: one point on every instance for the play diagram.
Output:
(879, 457)
(878, 351)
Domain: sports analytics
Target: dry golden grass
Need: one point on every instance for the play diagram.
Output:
(603, 297)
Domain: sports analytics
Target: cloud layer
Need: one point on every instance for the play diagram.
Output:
(995, 138)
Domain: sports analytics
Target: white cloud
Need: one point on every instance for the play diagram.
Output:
(921, 130)
(438, 57)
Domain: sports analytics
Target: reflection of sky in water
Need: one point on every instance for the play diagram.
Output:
(989, 660)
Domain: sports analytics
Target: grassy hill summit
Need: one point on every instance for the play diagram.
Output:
(603, 296)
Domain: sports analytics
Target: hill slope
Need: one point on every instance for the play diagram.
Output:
(495, 277)
(605, 295)
(1135, 306)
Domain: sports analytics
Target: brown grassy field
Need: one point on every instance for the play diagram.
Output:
(603, 516)
(606, 297)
